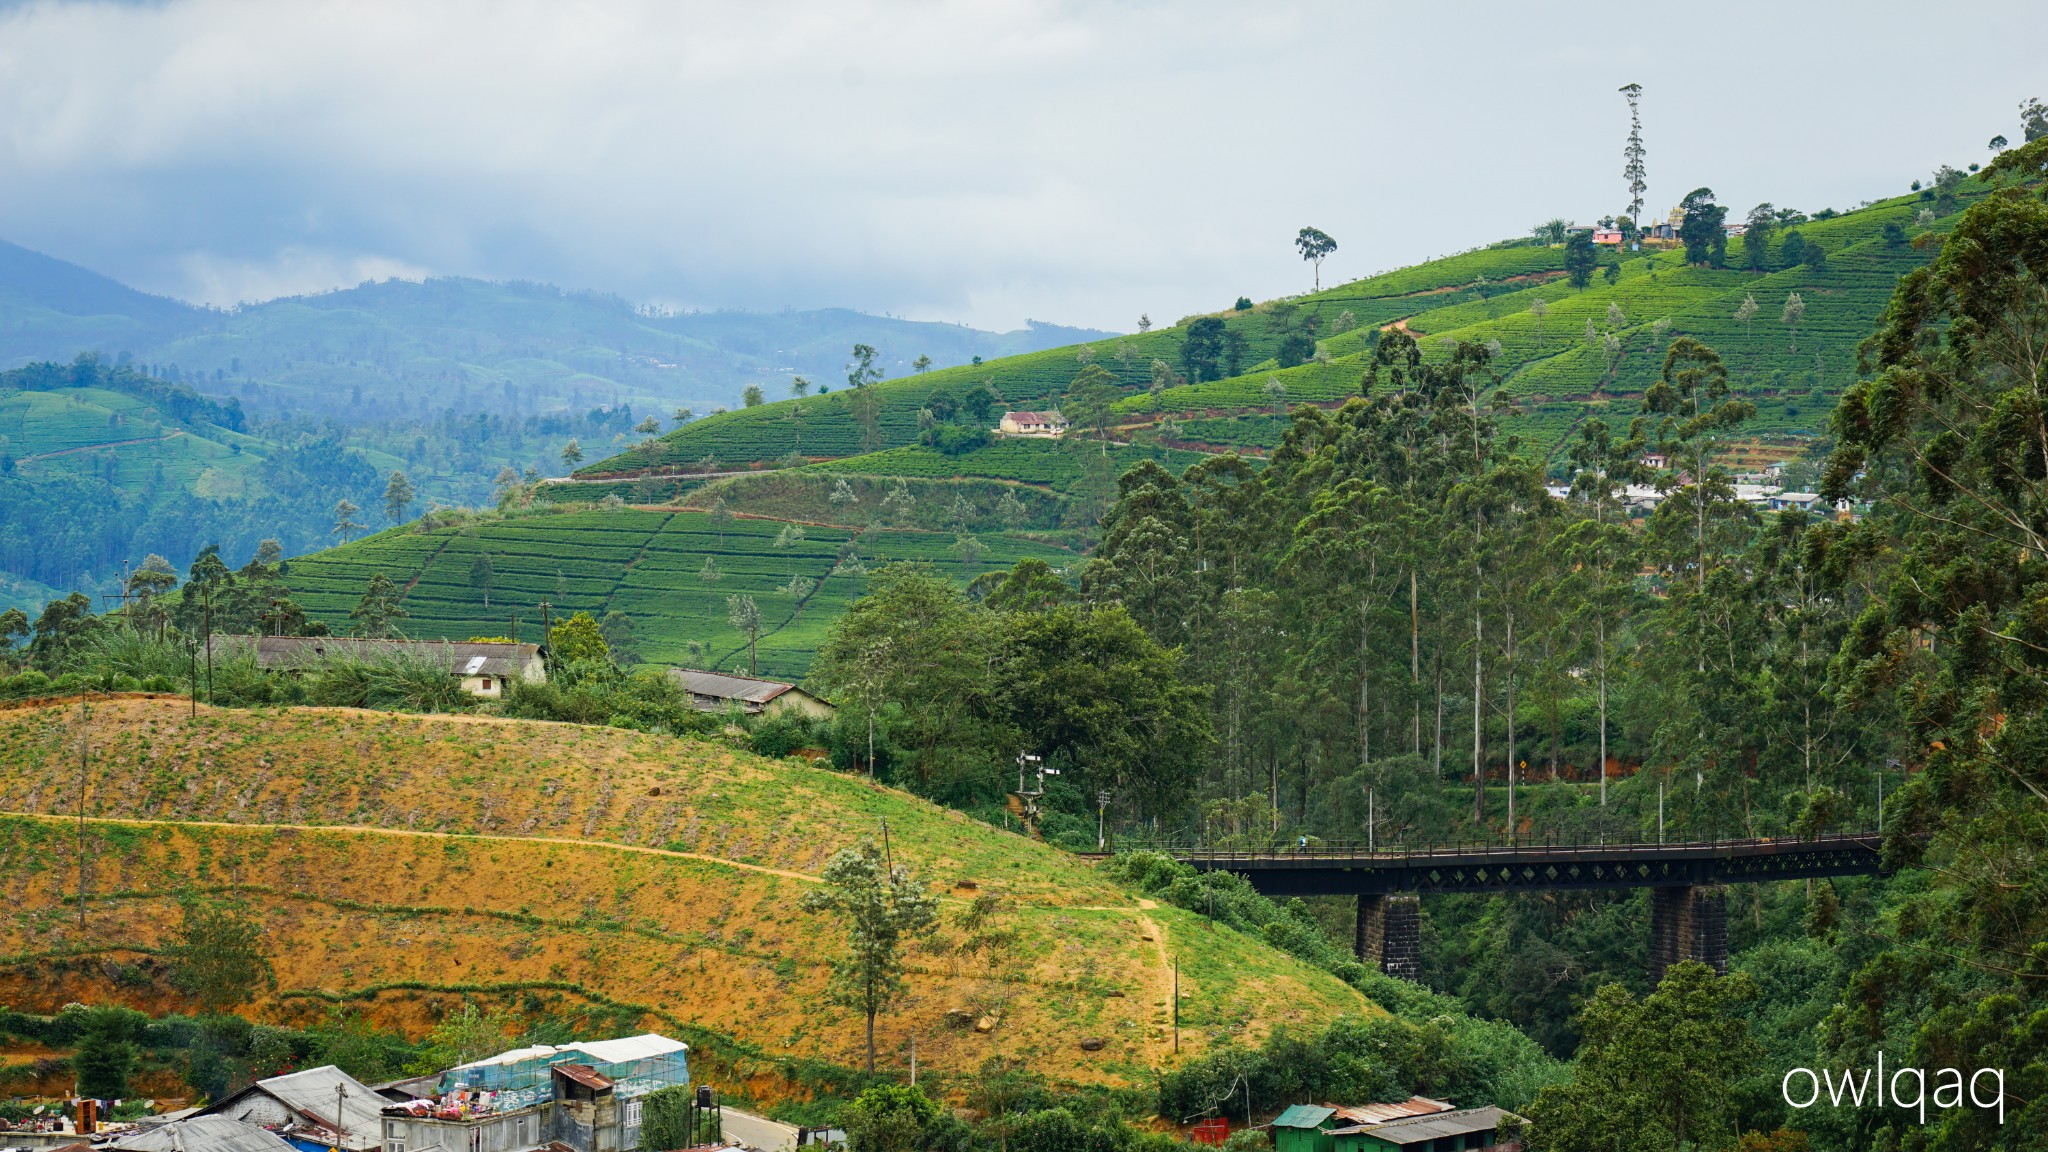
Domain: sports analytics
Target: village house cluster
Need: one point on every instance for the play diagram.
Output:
(587, 1096)
(1759, 490)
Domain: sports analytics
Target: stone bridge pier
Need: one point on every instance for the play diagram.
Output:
(1389, 934)
(1688, 923)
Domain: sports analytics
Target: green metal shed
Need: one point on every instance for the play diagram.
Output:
(1304, 1128)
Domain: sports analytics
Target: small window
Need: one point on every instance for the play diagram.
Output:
(487, 683)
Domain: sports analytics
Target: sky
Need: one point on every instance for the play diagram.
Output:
(981, 162)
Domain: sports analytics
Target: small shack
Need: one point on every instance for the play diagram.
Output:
(1304, 1128)
(716, 692)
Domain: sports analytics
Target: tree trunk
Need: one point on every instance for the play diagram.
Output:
(1511, 711)
(1436, 755)
(1603, 708)
(1364, 686)
(1415, 658)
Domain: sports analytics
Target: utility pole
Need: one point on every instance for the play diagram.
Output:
(84, 770)
(1101, 811)
(340, 1090)
(1176, 1005)
(206, 623)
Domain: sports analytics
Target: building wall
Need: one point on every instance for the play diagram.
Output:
(474, 685)
(260, 1110)
(1302, 1140)
(801, 701)
(510, 1132)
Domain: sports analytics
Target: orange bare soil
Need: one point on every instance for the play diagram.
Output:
(459, 855)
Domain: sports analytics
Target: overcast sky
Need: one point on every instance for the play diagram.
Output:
(982, 162)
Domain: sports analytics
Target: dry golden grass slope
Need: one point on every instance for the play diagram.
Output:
(448, 853)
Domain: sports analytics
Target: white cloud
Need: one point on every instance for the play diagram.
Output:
(978, 161)
(293, 271)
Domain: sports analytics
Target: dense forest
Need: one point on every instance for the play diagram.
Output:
(1393, 618)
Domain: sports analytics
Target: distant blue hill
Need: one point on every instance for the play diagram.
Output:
(52, 310)
(394, 349)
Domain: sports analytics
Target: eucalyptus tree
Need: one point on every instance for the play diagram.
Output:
(1343, 553)
(1795, 311)
(1756, 238)
(1090, 402)
(1315, 246)
(1695, 413)
(1633, 153)
(1591, 552)
(745, 617)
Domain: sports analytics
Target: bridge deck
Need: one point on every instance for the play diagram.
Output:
(1342, 869)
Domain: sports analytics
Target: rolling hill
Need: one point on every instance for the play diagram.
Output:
(398, 349)
(404, 861)
(1553, 373)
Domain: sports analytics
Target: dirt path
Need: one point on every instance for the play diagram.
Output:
(1159, 980)
(363, 829)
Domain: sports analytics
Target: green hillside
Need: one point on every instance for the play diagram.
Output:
(1551, 371)
(646, 563)
(103, 466)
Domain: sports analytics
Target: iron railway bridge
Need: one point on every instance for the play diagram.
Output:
(1688, 882)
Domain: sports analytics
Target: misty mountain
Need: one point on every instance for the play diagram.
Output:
(401, 349)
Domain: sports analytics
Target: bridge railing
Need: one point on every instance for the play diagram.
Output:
(1483, 846)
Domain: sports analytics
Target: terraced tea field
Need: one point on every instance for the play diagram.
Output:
(834, 425)
(650, 565)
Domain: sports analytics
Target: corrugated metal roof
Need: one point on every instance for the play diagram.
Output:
(585, 1075)
(201, 1134)
(1380, 1113)
(719, 686)
(1416, 1129)
(1303, 1116)
(312, 1092)
(460, 657)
